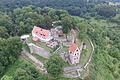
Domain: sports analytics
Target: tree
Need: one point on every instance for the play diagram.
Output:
(61, 14)
(52, 14)
(21, 74)
(55, 66)
(25, 18)
(3, 32)
(5, 77)
(66, 24)
(48, 22)
(6, 26)
(68, 21)
(82, 26)
(114, 52)
(28, 72)
(102, 10)
(9, 50)
(2, 68)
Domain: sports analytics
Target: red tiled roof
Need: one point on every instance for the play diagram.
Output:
(35, 39)
(40, 32)
(72, 47)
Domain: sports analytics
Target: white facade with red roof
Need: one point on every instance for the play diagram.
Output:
(74, 53)
(41, 34)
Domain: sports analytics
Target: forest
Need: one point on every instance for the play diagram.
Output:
(96, 20)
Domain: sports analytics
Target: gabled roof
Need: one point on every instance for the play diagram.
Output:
(40, 32)
(72, 47)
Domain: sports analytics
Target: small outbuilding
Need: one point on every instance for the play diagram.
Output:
(24, 38)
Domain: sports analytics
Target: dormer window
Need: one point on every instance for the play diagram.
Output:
(36, 32)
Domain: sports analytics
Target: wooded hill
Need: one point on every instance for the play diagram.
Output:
(17, 18)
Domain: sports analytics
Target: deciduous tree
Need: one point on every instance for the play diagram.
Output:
(55, 66)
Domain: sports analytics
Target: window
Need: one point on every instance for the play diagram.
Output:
(77, 50)
(77, 57)
(75, 54)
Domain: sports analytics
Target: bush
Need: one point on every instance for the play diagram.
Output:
(55, 66)
(116, 75)
(114, 61)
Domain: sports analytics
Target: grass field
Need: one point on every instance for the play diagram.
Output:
(40, 58)
(85, 53)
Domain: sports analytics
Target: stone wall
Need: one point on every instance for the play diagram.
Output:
(38, 50)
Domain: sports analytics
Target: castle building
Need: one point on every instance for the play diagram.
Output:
(41, 34)
(74, 53)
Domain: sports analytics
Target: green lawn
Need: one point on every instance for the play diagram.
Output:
(78, 42)
(43, 45)
(40, 58)
(85, 53)
(65, 48)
